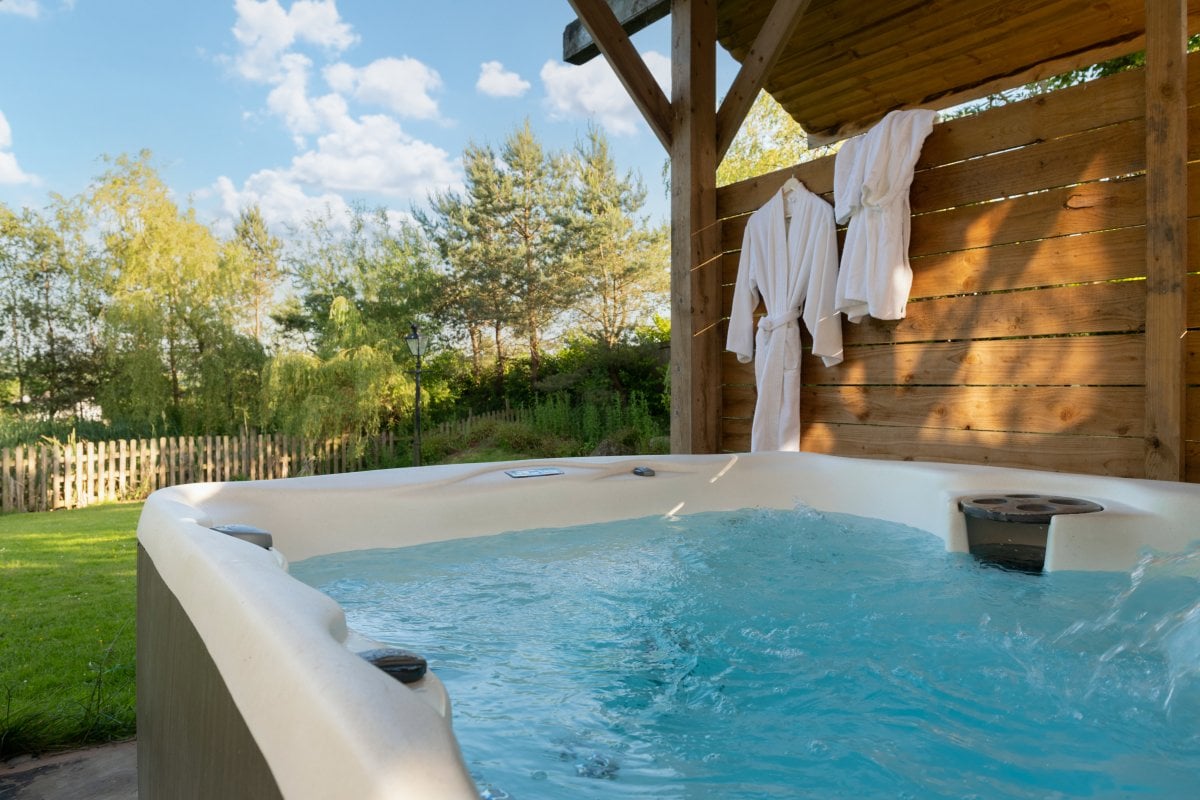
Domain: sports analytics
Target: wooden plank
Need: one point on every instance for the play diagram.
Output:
(1114, 151)
(634, 15)
(33, 502)
(7, 481)
(628, 65)
(1091, 455)
(87, 488)
(102, 472)
(68, 462)
(44, 500)
(19, 477)
(1192, 414)
(1074, 360)
(993, 45)
(747, 196)
(1193, 462)
(1096, 104)
(695, 262)
(1166, 235)
(1057, 212)
(125, 468)
(1098, 256)
(1088, 308)
(900, 74)
(158, 461)
(920, 36)
(57, 479)
(1083, 410)
(768, 46)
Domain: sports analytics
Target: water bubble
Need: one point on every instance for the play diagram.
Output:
(598, 766)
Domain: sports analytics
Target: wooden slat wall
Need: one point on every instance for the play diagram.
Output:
(1024, 341)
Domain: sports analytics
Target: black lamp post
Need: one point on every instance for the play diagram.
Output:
(417, 344)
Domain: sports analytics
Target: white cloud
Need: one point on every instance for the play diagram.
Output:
(373, 155)
(266, 31)
(22, 8)
(282, 200)
(593, 90)
(337, 150)
(303, 115)
(10, 171)
(402, 85)
(496, 81)
(367, 156)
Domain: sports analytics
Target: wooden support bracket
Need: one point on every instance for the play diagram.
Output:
(600, 21)
(768, 46)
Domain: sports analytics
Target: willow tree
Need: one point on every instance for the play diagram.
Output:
(174, 357)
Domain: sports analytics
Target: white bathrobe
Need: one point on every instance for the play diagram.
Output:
(872, 176)
(789, 260)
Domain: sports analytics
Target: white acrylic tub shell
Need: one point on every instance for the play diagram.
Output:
(289, 661)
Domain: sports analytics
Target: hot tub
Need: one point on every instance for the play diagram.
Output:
(251, 685)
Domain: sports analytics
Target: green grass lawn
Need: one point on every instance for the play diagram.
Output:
(67, 627)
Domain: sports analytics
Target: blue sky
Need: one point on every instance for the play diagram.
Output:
(298, 105)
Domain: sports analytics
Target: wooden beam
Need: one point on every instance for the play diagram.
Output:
(1166, 235)
(696, 340)
(768, 46)
(634, 15)
(625, 60)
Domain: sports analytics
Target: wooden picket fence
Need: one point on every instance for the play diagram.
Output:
(51, 475)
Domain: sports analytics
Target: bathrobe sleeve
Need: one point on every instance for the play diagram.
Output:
(820, 314)
(746, 297)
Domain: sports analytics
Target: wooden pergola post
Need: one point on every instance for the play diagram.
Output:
(695, 261)
(1166, 235)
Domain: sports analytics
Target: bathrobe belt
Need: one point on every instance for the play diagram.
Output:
(781, 352)
(772, 321)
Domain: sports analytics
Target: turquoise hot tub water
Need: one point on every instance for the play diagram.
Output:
(766, 653)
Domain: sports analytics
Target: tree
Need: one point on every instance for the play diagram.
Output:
(768, 140)
(621, 261)
(380, 266)
(466, 230)
(503, 244)
(533, 207)
(49, 308)
(174, 296)
(253, 242)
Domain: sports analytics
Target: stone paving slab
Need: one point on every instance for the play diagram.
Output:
(108, 772)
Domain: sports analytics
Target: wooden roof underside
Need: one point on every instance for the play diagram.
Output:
(850, 62)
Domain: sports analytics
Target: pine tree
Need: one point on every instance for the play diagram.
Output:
(622, 260)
